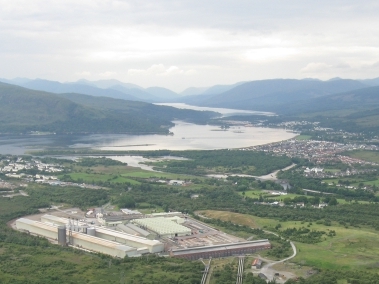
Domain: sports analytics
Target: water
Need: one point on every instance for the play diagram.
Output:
(187, 136)
(223, 111)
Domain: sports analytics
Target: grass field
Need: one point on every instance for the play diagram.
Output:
(370, 156)
(350, 248)
(256, 193)
(356, 183)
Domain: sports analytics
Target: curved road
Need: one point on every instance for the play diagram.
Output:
(269, 271)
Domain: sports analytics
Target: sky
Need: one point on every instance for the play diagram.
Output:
(188, 43)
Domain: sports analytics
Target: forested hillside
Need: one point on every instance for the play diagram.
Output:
(23, 110)
(269, 95)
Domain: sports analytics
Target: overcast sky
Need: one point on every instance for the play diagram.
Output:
(179, 43)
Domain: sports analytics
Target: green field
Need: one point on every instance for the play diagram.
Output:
(254, 193)
(370, 156)
(266, 194)
(351, 248)
(353, 181)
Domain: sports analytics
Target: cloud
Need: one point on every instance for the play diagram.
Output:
(83, 74)
(108, 74)
(196, 42)
(315, 67)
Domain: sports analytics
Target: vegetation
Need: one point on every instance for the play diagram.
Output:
(23, 110)
(222, 161)
(370, 156)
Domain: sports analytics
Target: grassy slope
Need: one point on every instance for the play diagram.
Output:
(351, 248)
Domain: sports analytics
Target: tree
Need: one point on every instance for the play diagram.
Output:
(332, 201)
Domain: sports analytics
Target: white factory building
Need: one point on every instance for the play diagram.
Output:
(164, 227)
(146, 245)
(80, 240)
(97, 239)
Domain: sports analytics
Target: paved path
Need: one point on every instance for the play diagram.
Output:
(269, 271)
(270, 176)
(273, 175)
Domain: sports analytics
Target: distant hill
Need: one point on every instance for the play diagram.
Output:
(162, 93)
(370, 82)
(140, 94)
(23, 110)
(355, 111)
(365, 98)
(188, 95)
(193, 91)
(57, 87)
(218, 89)
(269, 95)
(106, 88)
(106, 84)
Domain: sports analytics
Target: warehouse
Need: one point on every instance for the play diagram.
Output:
(221, 250)
(152, 246)
(164, 227)
(78, 239)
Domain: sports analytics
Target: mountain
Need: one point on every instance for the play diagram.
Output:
(193, 91)
(140, 94)
(16, 81)
(355, 100)
(370, 82)
(355, 111)
(57, 87)
(217, 89)
(106, 84)
(270, 95)
(162, 93)
(24, 110)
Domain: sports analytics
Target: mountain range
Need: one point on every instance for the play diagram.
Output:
(114, 106)
(268, 95)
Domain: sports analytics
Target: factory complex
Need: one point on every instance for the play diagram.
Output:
(172, 234)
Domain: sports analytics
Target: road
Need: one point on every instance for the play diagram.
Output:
(270, 176)
(270, 272)
(273, 175)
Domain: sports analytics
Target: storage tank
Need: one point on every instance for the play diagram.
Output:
(62, 235)
(91, 231)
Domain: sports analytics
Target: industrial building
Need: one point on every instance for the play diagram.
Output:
(164, 227)
(80, 240)
(257, 263)
(221, 250)
(114, 220)
(152, 246)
